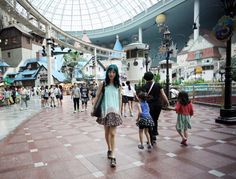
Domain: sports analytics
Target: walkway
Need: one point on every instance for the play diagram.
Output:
(59, 144)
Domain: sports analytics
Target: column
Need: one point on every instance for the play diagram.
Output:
(140, 36)
(48, 48)
(95, 67)
(196, 19)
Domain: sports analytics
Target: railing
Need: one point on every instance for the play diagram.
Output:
(212, 94)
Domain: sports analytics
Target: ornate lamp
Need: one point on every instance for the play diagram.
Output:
(160, 21)
(223, 31)
(167, 41)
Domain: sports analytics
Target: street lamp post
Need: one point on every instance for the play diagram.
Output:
(228, 112)
(146, 59)
(166, 43)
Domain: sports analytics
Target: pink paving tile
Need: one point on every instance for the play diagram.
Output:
(47, 143)
(17, 139)
(13, 161)
(35, 173)
(202, 158)
(58, 153)
(225, 149)
(9, 175)
(58, 170)
(196, 140)
(214, 135)
(76, 168)
(15, 148)
(40, 136)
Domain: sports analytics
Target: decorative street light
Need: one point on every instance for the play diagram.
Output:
(146, 59)
(166, 42)
(224, 31)
(160, 21)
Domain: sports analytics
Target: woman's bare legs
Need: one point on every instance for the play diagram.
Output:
(131, 108)
(107, 136)
(112, 134)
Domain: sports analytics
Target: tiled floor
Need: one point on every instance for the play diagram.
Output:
(57, 143)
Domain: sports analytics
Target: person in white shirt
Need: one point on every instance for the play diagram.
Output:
(124, 100)
(76, 97)
(130, 93)
(24, 97)
(58, 94)
(52, 96)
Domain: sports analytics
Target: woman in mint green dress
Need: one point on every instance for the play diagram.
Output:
(111, 104)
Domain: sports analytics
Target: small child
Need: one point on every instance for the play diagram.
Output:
(144, 120)
(184, 109)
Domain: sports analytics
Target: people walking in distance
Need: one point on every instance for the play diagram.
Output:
(57, 92)
(13, 95)
(94, 90)
(61, 96)
(46, 97)
(7, 96)
(42, 91)
(110, 109)
(24, 95)
(75, 95)
(157, 96)
(84, 91)
(52, 96)
(130, 93)
(184, 110)
(124, 100)
(144, 119)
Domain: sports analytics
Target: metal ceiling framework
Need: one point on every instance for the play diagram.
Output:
(39, 24)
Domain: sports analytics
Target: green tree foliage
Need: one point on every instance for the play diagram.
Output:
(190, 82)
(70, 61)
(157, 77)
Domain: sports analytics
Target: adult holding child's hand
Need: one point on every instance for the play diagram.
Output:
(156, 101)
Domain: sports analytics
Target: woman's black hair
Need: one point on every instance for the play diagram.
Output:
(128, 83)
(183, 98)
(117, 77)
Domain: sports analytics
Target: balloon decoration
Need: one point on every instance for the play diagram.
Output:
(224, 28)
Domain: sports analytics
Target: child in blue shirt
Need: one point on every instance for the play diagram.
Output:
(144, 120)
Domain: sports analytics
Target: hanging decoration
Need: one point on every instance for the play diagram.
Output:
(224, 28)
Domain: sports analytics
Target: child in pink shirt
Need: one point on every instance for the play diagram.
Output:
(184, 110)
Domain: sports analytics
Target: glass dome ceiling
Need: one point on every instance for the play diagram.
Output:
(80, 15)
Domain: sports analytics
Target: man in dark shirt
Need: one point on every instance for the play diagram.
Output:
(84, 91)
(157, 98)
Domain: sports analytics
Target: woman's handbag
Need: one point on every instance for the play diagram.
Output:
(27, 97)
(97, 108)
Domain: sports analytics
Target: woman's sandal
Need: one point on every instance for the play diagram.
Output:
(109, 154)
(113, 162)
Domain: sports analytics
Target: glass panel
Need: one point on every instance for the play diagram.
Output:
(110, 12)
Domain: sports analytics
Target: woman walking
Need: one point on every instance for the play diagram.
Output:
(110, 106)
